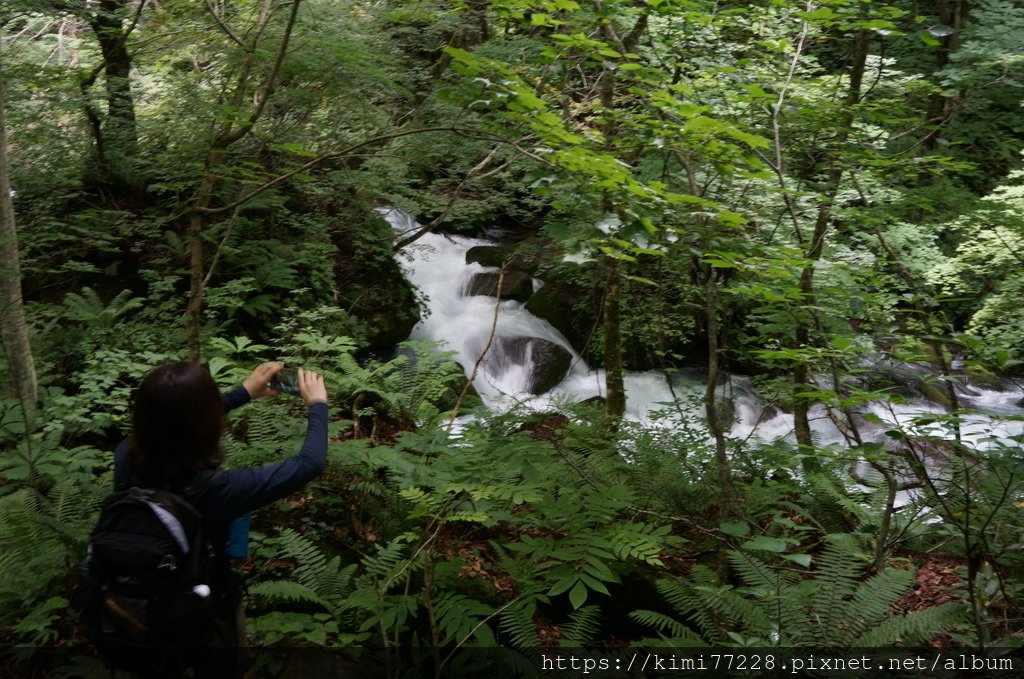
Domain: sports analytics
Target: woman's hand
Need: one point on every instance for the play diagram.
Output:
(311, 387)
(256, 383)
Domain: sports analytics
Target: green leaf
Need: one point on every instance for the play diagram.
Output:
(578, 595)
(820, 13)
(840, 342)
(802, 559)
(738, 529)
(767, 544)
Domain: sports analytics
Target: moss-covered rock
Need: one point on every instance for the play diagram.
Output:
(551, 304)
(936, 393)
(980, 377)
(524, 258)
(453, 389)
(515, 285)
(550, 362)
(491, 255)
(369, 283)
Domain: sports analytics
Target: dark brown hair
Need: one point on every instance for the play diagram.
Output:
(178, 422)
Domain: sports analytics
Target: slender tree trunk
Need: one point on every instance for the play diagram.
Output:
(952, 14)
(801, 372)
(119, 136)
(712, 413)
(197, 253)
(615, 403)
(231, 130)
(615, 396)
(13, 323)
(890, 506)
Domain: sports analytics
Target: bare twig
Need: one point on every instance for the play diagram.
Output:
(434, 223)
(224, 27)
(487, 347)
(348, 151)
(220, 247)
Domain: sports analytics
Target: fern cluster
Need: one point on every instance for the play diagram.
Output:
(42, 539)
(778, 606)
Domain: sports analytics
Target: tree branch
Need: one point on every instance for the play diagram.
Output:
(348, 150)
(263, 96)
(487, 347)
(224, 27)
(451, 203)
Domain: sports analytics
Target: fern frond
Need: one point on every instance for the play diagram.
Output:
(665, 625)
(582, 626)
(364, 599)
(286, 590)
(757, 574)
(871, 603)
(686, 601)
(839, 567)
(311, 559)
(335, 582)
(387, 561)
(458, 617)
(516, 622)
(88, 306)
(916, 628)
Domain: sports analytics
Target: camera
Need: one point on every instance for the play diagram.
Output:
(285, 381)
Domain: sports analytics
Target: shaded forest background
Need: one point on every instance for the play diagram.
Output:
(780, 189)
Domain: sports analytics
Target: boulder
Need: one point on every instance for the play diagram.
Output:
(519, 258)
(516, 285)
(936, 393)
(369, 282)
(392, 320)
(550, 361)
(453, 389)
(552, 304)
(980, 377)
(490, 255)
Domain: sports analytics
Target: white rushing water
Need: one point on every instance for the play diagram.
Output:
(436, 265)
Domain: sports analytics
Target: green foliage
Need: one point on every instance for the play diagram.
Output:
(42, 538)
(836, 607)
(700, 144)
(317, 580)
(986, 264)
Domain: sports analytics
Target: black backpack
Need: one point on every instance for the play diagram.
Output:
(151, 585)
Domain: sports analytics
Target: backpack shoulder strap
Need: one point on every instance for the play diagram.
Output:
(203, 482)
(193, 491)
(127, 476)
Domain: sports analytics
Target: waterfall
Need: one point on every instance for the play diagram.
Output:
(436, 265)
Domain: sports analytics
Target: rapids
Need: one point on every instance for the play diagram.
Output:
(436, 265)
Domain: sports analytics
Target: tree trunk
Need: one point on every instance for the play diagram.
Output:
(13, 323)
(713, 416)
(802, 339)
(119, 142)
(615, 396)
(615, 403)
(231, 130)
(197, 252)
(951, 13)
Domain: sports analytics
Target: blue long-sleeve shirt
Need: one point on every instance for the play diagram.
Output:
(246, 489)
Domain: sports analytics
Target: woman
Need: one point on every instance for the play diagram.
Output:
(178, 422)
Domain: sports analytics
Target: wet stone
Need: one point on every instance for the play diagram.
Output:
(549, 362)
(516, 285)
